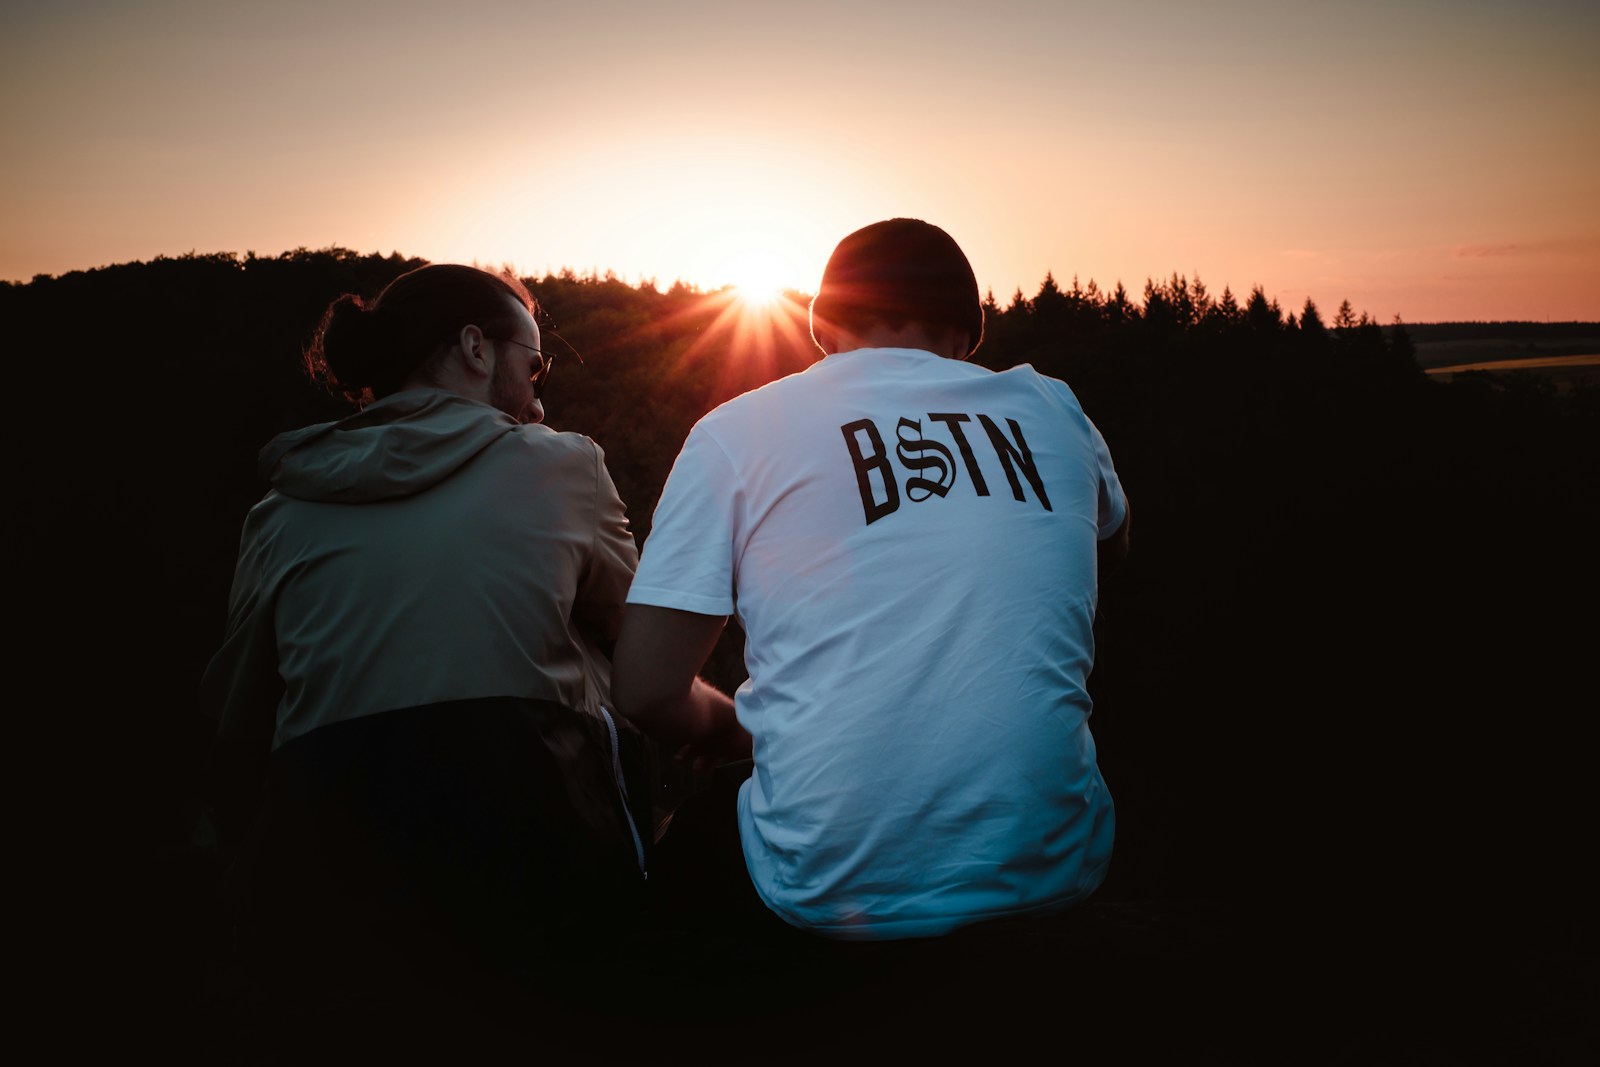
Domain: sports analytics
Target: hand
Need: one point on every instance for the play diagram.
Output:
(727, 743)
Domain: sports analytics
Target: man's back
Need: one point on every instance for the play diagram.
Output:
(434, 549)
(412, 749)
(913, 546)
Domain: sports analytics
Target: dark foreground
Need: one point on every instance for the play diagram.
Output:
(1280, 980)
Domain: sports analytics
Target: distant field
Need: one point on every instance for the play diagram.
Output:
(1565, 370)
(1459, 353)
(1567, 353)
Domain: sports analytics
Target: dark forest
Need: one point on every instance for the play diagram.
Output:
(1341, 695)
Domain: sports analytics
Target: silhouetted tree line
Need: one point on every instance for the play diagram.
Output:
(1343, 674)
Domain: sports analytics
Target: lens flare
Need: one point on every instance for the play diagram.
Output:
(758, 277)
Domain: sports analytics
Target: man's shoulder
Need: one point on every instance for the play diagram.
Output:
(542, 440)
(1027, 381)
(756, 410)
(757, 406)
(1026, 375)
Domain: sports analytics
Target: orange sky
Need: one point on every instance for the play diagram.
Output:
(1433, 160)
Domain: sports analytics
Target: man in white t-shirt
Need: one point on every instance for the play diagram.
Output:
(912, 544)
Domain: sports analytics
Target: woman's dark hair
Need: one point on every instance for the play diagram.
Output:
(898, 272)
(367, 349)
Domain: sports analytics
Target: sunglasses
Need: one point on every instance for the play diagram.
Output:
(547, 361)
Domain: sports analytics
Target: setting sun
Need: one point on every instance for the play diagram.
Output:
(693, 147)
(759, 276)
(758, 293)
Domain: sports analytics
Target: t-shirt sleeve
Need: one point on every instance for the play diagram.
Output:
(688, 560)
(1113, 505)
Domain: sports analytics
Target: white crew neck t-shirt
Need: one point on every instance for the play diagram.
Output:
(910, 545)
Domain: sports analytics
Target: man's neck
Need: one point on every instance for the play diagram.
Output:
(941, 342)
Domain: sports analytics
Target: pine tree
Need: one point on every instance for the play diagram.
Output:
(1260, 313)
(1311, 320)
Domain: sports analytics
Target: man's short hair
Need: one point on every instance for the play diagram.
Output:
(896, 272)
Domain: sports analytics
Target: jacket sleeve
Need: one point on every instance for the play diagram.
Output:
(240, 691)
(613, 557)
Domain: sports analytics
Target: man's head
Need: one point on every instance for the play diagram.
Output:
(453, 326)
(518, 362)
(895, 277)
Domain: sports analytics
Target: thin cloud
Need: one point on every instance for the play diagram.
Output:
(1557, 246)
(1492, 251)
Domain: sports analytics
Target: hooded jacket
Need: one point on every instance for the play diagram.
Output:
(427, 549)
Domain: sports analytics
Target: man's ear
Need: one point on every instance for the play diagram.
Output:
(474, 347)
(961, 346)
(831, 338)
(825, 339)
(820, 335)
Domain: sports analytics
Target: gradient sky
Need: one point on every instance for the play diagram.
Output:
(1433, 160)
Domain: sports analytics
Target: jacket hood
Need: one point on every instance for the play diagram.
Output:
(397, 446)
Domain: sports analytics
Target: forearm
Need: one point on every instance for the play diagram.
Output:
(692, 716)
(654, 678)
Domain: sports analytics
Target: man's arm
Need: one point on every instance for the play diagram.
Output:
(654, 681)
(1114, 549)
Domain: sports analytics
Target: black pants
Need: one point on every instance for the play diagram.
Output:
(698, 874)
(425, 845)
(723, 955)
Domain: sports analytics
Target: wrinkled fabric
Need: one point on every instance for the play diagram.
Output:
(427, 549)
(910, 545)
(399, 446)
